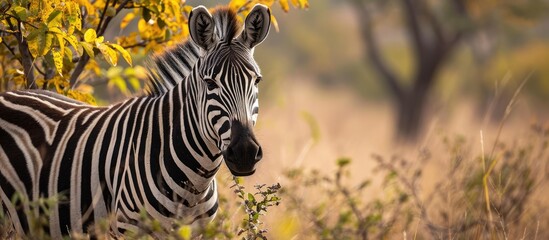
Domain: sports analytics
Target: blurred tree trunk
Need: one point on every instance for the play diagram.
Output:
(432, 41)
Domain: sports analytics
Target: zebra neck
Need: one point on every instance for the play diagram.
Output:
(186, 144)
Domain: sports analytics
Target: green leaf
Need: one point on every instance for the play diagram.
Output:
(251, 197)
(239, 180)
(342, 162)
(168, 34)
(110, 11)
(161, 23)
(34, 33)
(21, 13)
(125, 54)
(90, 35)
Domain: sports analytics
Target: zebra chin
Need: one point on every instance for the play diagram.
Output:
(243, 152)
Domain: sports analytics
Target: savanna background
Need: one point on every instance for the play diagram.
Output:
(394, 119)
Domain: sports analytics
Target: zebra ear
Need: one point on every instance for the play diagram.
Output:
(201, 27)
(256, 26)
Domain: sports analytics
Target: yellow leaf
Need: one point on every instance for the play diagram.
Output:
(61, 41)
(89, 7)
(90, 35)
(72, 41)
(93, 66)
(88, 47)
(187, 9)
(285, 6)
(135, 83)
(1, 39)
(85, 88)
(58, 60)
(119, 83)
(303, 4)
(124, 53)
(40, 42)
(59, 83)
(126, 20)
(68, 53)
(55, 19)
(275, 23)
(73, 15)
(99, 40)
(184, 232)
(70, 31)
(142, 27)
(237, 4)
(109, 54)
(295, 3)
(40, 82)
(20, 81)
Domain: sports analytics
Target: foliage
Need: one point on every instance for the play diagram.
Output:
(37, 213)
(251, 206)
(342, 212)
(256, 205)
(510, 204)
(60, 45)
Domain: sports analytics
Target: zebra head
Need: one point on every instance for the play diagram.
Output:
(227, 75)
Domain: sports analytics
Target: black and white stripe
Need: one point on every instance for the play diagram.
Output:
(157, 153)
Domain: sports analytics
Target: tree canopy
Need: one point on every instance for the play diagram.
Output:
(55, 44)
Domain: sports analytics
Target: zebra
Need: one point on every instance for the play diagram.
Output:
(157, 153)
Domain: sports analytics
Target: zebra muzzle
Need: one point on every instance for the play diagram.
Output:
(243, 152)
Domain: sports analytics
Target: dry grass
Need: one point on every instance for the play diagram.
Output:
(463, 180)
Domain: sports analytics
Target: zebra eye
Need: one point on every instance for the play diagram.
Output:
(257, 80)
(211, 84)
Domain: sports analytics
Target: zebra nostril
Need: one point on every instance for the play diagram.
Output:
(229, 154)
(259, 154)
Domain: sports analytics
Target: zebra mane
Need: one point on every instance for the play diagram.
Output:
(172, 66)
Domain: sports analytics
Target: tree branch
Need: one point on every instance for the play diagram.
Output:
(144, 43)
(433, 22)
(26, 57)
(103, 14)
(414, 28)
(100, 30)
(11, 50)
(390, 79)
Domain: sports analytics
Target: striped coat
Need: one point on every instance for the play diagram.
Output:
(156, 154)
